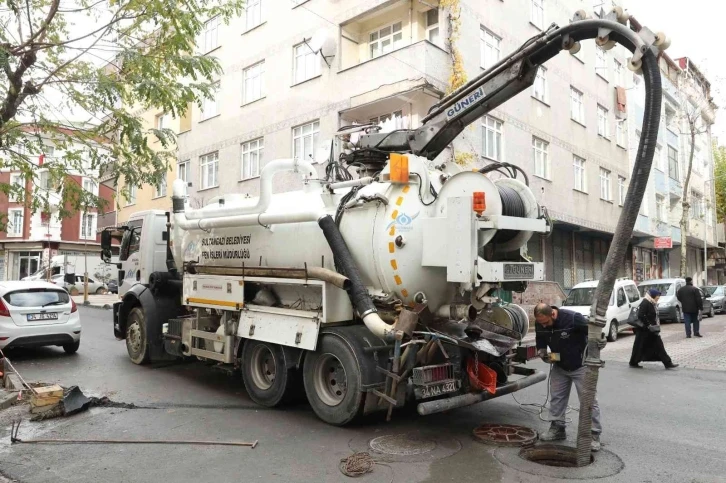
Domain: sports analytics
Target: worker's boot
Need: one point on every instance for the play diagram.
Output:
(555, 433)
(595, 444)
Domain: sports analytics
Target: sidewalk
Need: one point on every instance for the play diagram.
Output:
(97, 301)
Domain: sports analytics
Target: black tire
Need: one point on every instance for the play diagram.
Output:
(136, 343)
(711, 313)
(613, 332)
(332, 381)
(264, 372)
(100, 291)
(679, 316)
(72, 348)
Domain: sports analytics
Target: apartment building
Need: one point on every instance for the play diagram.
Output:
(388, 62)
(32, 239)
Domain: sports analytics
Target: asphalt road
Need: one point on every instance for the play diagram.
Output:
(665, 426)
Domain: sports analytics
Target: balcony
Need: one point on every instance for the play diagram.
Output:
(672, 138)
(660, 182)
(676, 235)
(675, 189)
(642, 226)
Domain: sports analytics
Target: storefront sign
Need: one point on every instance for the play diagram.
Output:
(663, 242)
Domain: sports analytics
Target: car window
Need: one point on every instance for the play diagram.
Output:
(621, 297)
(632, 292)
(90, 280)
(37, 297)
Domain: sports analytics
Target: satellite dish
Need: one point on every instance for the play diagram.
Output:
(323, 44)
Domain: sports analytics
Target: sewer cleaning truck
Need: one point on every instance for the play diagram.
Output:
(375, 285)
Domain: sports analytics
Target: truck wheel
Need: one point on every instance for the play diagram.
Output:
(332, 381)
(264, 372)
(136, 344)
(613, 334)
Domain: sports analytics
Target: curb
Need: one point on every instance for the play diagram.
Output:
(7, 398)
(13, 382)
(97, 307)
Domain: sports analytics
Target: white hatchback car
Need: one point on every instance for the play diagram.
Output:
(624, 298)
(35, 314)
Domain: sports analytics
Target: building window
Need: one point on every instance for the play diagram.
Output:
(432, 25)
(210, 36)
(577, 106)
(660, 208)
(490, 48)
(16, 184)
(605, 185)
(210, 107)
(622, 190)
(254, 83)
(389, 122)
(253, 13)
(209, 166)
(697, 210)
(88, 226)
(251, 156)
(160, 189)
(619, 74)
(163, 121)
(709, 215)
(621, 132)
(540, 150)
(673, 170)
(492, 138)
(131, 195)
(579, 169)
(537, 13)
(658, 159)
(386, 39)
(603, 126)
(15, 222)
(306, 64)
(539, 89)
(601, 63)
(184, 171)
(644, 201)
(90, 186)
(305, 141)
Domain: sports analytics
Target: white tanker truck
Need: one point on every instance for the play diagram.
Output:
(366, 292)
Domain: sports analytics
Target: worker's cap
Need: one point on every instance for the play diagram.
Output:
(654, 292)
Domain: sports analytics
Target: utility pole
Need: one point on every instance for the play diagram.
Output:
(85, 272)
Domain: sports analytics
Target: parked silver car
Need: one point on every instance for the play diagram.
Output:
(94, 286)
(717, 296)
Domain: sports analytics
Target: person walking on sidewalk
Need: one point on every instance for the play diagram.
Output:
(565, 333)
(648, 346)
(691, 304)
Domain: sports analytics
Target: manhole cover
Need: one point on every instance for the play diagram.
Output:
(406, 444)
(505, 435)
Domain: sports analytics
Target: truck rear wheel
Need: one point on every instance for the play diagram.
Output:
(136, 343)
(332, 381)
(264, 372)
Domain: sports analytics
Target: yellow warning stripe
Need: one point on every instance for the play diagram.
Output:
(222, 303)
(392, 246)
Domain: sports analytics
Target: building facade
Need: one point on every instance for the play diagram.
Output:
(32, 239)
(387, 62)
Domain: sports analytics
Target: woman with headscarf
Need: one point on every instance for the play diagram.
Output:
(648, 346)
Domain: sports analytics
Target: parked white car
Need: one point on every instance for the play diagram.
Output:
(624, 298)
(36, 314)
(94, 286)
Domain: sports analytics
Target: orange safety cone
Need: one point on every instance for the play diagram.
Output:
(487, 379)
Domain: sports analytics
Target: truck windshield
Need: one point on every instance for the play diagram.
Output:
(580, 296)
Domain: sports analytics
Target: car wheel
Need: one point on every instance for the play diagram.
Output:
(72, 348)
(679, 315)
(711, 312)
(613, 333)
(100, 291)
(136, 344)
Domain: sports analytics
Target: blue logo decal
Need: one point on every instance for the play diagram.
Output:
(403, 222)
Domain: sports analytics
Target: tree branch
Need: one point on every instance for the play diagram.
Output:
(43, 26)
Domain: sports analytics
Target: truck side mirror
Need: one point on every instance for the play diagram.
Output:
(106, 246)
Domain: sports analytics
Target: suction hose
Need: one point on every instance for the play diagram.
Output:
(357, 292)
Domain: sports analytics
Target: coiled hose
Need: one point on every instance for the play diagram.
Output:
(512, 205)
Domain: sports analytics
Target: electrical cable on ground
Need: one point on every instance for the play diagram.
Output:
(524, 406)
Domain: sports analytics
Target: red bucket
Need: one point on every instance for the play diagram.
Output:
(487, 380)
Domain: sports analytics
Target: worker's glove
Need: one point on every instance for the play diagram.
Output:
(542, 353)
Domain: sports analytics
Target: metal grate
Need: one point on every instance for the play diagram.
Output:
(175, 326)
(430, 374)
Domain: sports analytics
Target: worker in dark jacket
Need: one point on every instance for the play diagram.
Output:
(648, 345)
(565, 332)
(691, 304)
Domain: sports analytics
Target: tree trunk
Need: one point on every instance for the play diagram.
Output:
(686, 204)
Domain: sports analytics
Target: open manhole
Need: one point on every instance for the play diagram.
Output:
(505, 434)
(552, 455)
(405, 444)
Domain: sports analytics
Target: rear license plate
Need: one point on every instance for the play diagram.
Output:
(45, 316)
(433, 390)
(518, 271)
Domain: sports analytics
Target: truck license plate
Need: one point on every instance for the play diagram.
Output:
(433, 390)
(45, 316)
(518, 271)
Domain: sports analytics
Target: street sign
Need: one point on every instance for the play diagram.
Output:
(663, 242)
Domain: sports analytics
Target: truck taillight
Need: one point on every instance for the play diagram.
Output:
(74, 307)
(4, 312)
(480, 202)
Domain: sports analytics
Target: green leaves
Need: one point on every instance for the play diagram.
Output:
(97, 67)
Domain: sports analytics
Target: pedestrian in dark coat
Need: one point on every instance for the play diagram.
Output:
(648, 345)
(691, 304)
